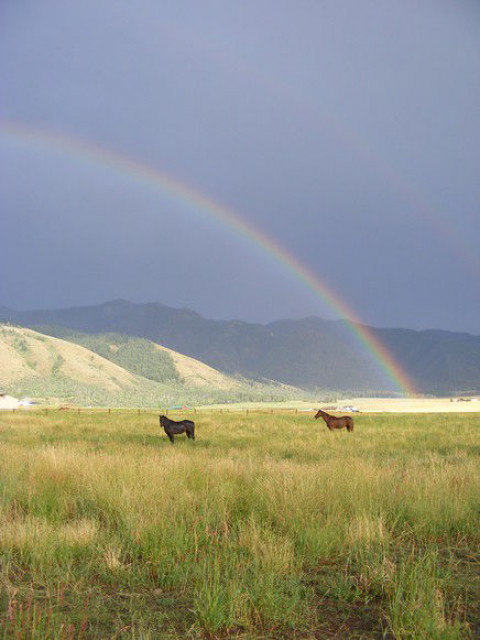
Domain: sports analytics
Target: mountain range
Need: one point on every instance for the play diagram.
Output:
(309, 353)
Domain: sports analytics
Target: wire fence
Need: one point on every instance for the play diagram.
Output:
(166, 411)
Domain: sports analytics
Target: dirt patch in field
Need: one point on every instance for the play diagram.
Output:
(356, 620)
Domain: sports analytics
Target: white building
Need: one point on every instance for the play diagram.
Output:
(8, 402)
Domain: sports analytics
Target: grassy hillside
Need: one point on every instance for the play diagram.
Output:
(26, 353)
(148, 359)
(264, 527)
(115, 370)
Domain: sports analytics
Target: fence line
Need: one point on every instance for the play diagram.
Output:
(194, 411)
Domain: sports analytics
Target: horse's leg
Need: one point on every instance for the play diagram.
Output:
(170, 437)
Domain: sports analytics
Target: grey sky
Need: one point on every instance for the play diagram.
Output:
(346, 131)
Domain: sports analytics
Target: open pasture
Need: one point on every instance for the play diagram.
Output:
(267, 526)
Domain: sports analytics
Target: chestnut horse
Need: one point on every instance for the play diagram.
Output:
(336, 423)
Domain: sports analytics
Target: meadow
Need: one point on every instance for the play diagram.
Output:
(267, 526)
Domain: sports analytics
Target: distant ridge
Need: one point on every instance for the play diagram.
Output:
(308, 353)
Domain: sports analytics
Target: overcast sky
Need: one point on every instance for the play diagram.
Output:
(347, 131)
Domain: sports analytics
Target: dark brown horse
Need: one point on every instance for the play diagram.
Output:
(174, 428)
(345, 422)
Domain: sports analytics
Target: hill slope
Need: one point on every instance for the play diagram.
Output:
(145, 358)
(308, 353)
(28, 354)
(59, 370)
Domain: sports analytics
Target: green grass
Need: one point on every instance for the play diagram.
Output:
(267, 526)
(58, 389)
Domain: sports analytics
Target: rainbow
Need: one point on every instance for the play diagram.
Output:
(153, 178)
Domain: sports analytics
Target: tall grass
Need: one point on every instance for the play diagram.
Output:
(265, 526)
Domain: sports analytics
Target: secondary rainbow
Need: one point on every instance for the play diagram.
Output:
(134, 169)
(330, 122)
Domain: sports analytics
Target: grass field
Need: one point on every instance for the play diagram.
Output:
(268, 526)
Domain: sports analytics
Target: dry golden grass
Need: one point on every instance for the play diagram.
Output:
(26, 353)
(364, 405)
(197, 374)
(414, 405)
(12, 365)
(267, 526)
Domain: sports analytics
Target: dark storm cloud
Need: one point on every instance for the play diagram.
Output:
(346, 131)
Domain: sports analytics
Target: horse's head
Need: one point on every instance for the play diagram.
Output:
(320, 414)
(162, 421)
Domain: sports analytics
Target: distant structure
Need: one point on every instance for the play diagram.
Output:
(8, 402)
